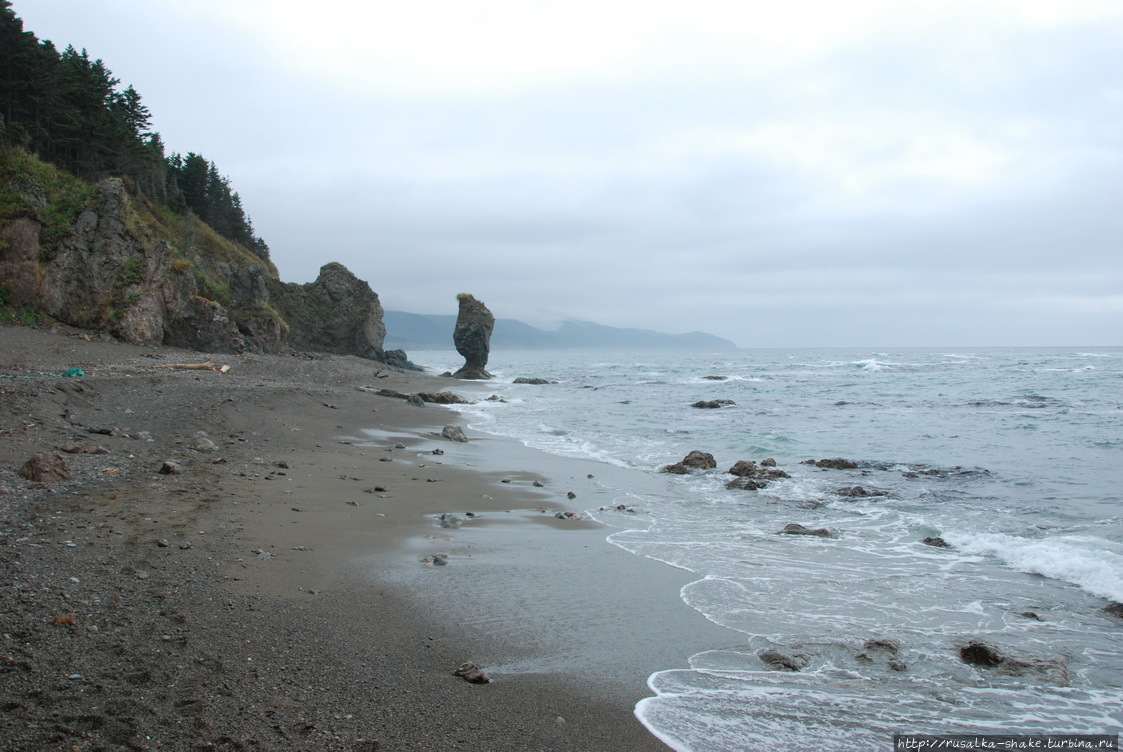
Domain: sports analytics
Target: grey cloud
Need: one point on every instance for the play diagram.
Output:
(771, 200)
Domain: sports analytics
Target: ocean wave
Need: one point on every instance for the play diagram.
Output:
(1078, 560)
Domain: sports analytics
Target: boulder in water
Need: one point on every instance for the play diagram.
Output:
(794, 528)
(696, 460)
(778, 661)
(713, 404)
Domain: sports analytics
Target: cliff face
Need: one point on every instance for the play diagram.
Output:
(97, 258)
(337, 313)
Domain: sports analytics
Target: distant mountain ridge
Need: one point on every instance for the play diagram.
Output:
(418, 331)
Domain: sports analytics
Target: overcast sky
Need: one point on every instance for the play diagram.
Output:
(860, 173)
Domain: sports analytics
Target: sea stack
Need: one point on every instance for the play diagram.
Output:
(472, 337)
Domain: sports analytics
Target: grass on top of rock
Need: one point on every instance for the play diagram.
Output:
(43, 192)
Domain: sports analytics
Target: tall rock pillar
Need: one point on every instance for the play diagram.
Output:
(472, 337)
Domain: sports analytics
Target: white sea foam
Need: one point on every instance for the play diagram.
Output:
(728, 711)
(947, 438)
(1080, 560)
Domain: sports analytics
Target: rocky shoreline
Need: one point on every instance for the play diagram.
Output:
(192, 584)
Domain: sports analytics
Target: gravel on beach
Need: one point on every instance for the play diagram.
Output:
(175, 567)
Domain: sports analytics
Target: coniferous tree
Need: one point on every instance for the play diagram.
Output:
(67, 109)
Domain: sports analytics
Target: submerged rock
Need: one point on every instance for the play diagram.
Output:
(746, 484)
(981, 654)
(936, 541)
(978, 653)
(713, 404)
(859, 492)
(778, 661)
(837, 463)
(881, 649)
(442, 398)
(794, 528)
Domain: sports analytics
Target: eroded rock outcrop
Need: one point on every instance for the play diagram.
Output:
(97, 257)
(338, 313)
(109, 266)
(472, 337)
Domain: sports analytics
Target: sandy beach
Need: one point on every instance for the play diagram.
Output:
(291, 587)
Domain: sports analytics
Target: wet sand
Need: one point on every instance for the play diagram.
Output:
(291, 567)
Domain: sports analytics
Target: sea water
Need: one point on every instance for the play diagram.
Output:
(1014, 457)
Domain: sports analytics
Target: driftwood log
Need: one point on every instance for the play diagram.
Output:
(208, 366)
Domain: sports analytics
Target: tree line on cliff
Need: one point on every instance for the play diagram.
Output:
(69, 110)
(101, 231)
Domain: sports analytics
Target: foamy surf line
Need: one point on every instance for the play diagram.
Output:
(1034, 589)
(1081, 561)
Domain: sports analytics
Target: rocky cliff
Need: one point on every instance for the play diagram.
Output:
(98, 257)
(337, 313)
